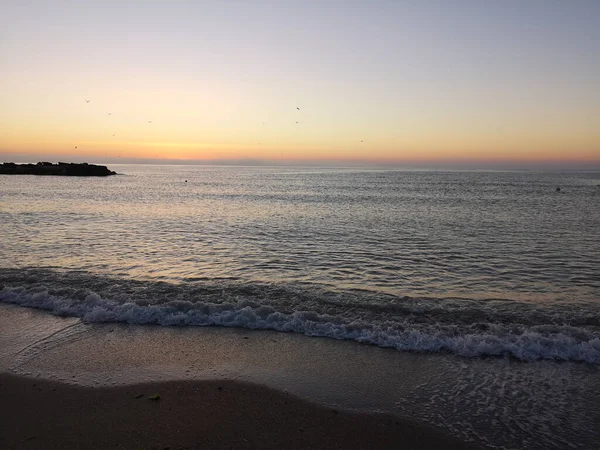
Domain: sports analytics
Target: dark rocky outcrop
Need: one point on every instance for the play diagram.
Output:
(64, 169)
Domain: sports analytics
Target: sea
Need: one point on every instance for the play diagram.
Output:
(496, 273)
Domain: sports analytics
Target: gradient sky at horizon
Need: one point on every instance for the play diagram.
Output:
(376, 81)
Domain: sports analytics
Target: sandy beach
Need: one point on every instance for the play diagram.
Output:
(38, 414)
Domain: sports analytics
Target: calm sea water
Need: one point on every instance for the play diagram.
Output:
(473, 263)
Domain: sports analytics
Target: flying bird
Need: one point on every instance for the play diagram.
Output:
(149, 121)
(87, 101)
(298, 108)
(109, 114)
(75, 146)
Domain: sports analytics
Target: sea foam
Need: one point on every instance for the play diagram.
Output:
(562, 342)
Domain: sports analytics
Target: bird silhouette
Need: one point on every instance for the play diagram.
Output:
(87, 101)
(298, 108)
(149, 121)
(109, 114)
(75, 146)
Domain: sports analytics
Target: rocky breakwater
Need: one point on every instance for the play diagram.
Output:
(64, 169)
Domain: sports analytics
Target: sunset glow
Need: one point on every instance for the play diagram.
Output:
(385, 82)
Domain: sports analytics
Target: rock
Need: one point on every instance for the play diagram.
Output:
(64, 169)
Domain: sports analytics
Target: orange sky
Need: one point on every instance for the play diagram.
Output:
(392, 83)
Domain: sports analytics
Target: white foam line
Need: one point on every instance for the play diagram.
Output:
(527, 345)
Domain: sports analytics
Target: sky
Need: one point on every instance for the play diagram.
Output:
(422, 83)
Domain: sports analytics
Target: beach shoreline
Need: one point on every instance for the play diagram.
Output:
(69, 385)
(485, 402)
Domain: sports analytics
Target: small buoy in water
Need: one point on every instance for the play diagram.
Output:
(186, 181)
(557, 189)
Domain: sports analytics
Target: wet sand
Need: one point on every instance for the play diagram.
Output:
(39, 414)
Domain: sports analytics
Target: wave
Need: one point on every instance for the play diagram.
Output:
(463, 327)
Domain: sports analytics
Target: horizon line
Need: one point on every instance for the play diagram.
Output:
(453, 164)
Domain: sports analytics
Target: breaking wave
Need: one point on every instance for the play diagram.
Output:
(464, 327)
